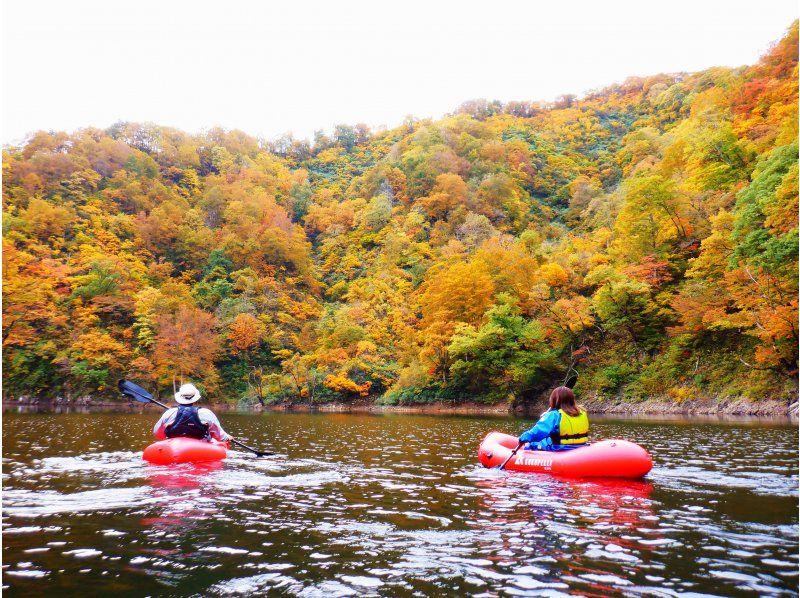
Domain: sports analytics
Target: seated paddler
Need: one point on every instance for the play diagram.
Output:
(188, 421)
(562, 427)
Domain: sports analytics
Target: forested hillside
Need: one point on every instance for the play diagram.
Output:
(646, 233)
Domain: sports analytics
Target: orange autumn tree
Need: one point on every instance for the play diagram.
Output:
(186, 346)
(459, 293)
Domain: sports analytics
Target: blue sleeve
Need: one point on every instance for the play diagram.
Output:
(549, 421)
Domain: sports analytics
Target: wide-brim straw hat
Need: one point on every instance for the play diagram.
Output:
(187, 394)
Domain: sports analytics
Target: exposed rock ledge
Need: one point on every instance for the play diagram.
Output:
(771, 409)
(706, 407)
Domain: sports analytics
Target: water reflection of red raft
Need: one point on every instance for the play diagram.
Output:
(607, 458)
(185, 450)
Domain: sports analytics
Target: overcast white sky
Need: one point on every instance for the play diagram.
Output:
(274, 67)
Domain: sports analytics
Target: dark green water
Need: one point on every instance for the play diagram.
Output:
(392, 505)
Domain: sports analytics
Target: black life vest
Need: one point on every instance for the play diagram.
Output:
(187, 424)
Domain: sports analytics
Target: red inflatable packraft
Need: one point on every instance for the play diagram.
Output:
(606, 458)
(185, 450)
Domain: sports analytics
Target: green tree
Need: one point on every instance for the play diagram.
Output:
(500, 358)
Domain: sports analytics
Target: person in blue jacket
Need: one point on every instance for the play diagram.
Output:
(562, 427)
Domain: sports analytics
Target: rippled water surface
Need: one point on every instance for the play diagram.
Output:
(392, 505)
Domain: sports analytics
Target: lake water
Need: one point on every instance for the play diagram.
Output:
(392, 505)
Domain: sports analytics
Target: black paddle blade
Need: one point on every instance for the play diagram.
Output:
(571, 381)
(134, 391)
(251, 449)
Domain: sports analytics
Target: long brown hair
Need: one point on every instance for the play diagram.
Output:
(563, 398)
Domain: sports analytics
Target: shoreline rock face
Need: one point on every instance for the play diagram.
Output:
(705, 408)
(735, 408)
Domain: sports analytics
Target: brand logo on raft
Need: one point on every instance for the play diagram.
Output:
(536, 462)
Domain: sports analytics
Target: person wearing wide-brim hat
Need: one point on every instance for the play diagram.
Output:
(187, 420)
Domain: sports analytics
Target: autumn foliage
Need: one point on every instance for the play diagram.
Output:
(646, 232)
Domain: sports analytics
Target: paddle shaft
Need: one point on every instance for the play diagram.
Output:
(159, 403)
(249, 448)
(514, 452)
